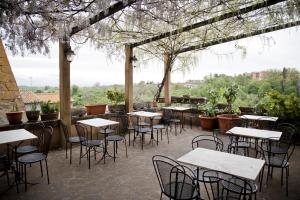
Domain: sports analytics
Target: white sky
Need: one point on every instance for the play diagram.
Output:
(91, 66)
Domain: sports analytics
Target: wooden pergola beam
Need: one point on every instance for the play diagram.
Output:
(237, 37)
(120, 5)
(228, 15)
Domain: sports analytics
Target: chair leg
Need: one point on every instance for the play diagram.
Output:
(41, 169)
(94, 152)
(126, 148)
(66, 149)
(261, 178)
(167, 135)
(70, 152)
(115, 150)
(287, 181)
(142, 141)
(281, 179)
(161, 134)
(129, 132)
(25, 173)
(47, 171)
(157, 137)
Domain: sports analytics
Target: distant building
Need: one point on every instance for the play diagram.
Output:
(257, 75)
(29, 98)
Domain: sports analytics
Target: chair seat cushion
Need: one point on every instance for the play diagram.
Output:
(26, 149)
(107, 131)
(92, 143)
(276, 161)
(275, 149)
(115, 138)
(159, 126)
(32, 158)
(184, 190)
(174, 120)
(143, 130)
(74, 139)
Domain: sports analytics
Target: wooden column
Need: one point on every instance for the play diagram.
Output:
(167, 63)
(128, 79)
(64, 88)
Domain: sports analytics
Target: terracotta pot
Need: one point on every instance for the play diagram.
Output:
(49, 116)
(14, 117)
(95, 109)
(226, 121)
(208, 123)
(33, 116)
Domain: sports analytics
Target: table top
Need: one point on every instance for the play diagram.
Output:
(176, 108)
(145, 114)
(255, 133)
(16, 135)
(233, 164)
(98, 122)
(258, 117)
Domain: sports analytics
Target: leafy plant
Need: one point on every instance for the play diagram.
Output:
(230, 95)
(209, 108)
(48, 107)
(34, 106)
(115, 96)
(280, 105)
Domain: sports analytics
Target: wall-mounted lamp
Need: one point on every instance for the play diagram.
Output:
(133, 59)
(69, 53)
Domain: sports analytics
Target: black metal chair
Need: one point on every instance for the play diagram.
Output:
(87, 144)
(4, 166)
(33, 147)
(139, 130)
(40, 156)
(176, 181)
(160, 128)
(115, 139)
(69, 139)
(235, 187)
(208, 142)
(170, 120)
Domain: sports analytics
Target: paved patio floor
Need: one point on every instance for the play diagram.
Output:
(131, 178)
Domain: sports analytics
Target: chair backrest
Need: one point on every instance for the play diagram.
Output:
(36, 129)
(65, 130)
(242, 187)
(208, 142)
(288, 133)
(81, 132)
(168, 114)
(254, 149)
(174, 177)
(45, 140)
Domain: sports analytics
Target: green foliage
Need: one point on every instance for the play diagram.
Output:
(209, 108)
(280, 105)
(34, 106)
(48, 107)
(230, 94)
(75, 89)
(115, 96)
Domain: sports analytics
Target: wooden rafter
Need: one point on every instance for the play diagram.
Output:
(237, 37)
(120, 5)
(228, 15)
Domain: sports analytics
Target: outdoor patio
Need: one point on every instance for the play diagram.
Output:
(128, 178)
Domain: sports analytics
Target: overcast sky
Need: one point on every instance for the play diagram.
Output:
(91, 66)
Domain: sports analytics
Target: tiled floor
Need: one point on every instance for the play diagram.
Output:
(131, 178)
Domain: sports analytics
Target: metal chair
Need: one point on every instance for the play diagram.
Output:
(4, 166)
(160, 127)
(115, 139)
(87, 144)
(33, 147)
(208, 142)
(69, 139)
(170, 120)
(176, 181)
(235, 187)
(40, 156)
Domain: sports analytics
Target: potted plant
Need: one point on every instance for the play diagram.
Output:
(49, 111)
(15, 116)
(115, 97)
(33, 114)
(208, 119)
(226, 120)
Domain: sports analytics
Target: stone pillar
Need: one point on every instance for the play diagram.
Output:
(64, 88)
(9, 92)
(167, 63)
(128, 79)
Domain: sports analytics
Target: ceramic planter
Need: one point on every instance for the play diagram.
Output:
(208, 123)
(95, 109)
(226, 121)
(14, 117)
(33, 116)
(49, 116)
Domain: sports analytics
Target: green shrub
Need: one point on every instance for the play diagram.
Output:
(48, 107)
(115, 96)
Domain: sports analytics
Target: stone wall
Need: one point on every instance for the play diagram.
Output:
(9, 92)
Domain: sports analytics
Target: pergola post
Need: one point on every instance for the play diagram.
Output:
(167, 63)
(128, 78)
(64, 87)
